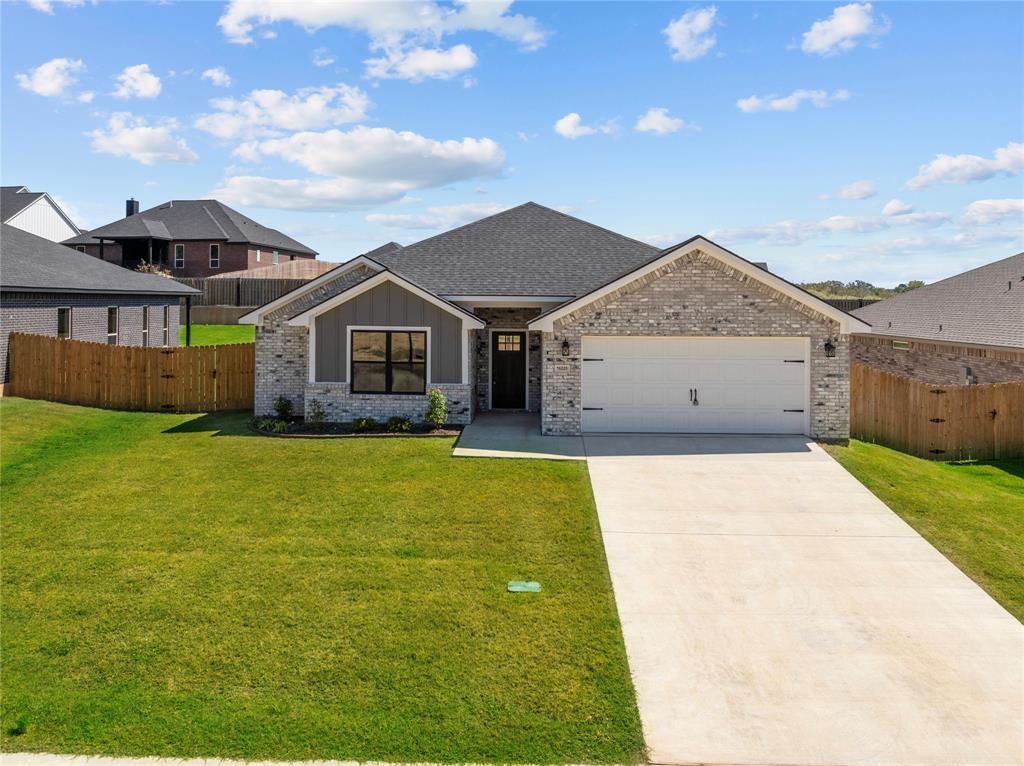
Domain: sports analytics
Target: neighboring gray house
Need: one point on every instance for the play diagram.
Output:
(532, 309)
(47, 289)
(964, 329)
(36, 213)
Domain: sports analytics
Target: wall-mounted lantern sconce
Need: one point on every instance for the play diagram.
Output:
(830, 348)
(566, 348)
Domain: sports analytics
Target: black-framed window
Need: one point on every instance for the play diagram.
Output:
(389, 362)
(64, 322)
(166, 325)
(145, 325)
(214, 256)
(112, 325)
(179, 256)
(80, 248)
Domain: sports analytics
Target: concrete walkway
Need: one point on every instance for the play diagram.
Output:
(515, 435)
(776, 612)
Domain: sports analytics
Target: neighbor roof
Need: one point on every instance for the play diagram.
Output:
(527, 250)
(984, 306)
(14, 199)
(34, 264)
(184, 219)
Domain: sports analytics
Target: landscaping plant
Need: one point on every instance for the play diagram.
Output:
(437, 408)
(364, 425)
(399, 425)
(317, 416)
(283, 407)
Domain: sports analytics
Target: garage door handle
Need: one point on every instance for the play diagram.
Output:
(693, 397)
(593, 408)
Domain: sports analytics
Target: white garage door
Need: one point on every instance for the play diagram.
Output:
(695, 385)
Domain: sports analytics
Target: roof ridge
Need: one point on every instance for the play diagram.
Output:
(588, 223)
(465, 225)
(217, 223)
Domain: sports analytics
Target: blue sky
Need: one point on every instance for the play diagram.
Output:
(852, 141)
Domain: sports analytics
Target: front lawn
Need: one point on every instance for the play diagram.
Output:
(972, 513)
(174, 586)
(218, 334)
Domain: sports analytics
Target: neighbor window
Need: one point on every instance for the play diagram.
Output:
(145, 325)
(112, 326)
(167, 325)
(389, 362)
(179, 256)
(258, 254)
(64, 322)
(901, 345)
(276, 258)
(80, 248)
(214, 256)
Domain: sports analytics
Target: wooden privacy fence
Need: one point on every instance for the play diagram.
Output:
(179, 379)
(239, 291)
(983, 422)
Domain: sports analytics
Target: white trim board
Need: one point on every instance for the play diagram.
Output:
(305, 319)
(256, 315)
(846, 322)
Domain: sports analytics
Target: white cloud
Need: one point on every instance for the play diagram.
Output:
(841, 31)
(418, 64)
(442, 217)
(571, 126)
(897, 207)
(129, 136)
(53, 79)
(137, 82)
(986, 211)
(46, 6)
(792, 102)
(407, 33)
(364, 166)
(218, 76)
(85, 97)
(856, 190)
(657, 120)
(322, 57)
(690, 36)
(267, 112)
(964, 168)
(795, 232)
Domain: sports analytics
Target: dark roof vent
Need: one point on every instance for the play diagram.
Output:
(131, 207)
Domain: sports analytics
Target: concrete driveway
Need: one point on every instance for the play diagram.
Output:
(776, 612)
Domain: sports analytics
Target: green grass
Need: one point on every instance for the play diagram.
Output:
(972, 513)
(175, 586)
(218, 334)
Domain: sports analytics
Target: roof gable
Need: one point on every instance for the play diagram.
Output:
(983, 306)
(526, 250)
(846, 322)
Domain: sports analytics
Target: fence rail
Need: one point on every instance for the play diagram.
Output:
(240, 291)
(983, 422)
(195, 379)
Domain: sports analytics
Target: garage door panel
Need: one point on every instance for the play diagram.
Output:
(744, 385)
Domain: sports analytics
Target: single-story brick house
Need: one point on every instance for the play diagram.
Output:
(190, 238)
(47, 289)
(533, 309)
(968, 328)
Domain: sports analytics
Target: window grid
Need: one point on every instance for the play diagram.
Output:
(214, 256)
(509, 343)
(403, 368)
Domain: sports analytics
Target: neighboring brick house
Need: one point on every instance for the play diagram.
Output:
(532, 309)
(47, 289)
(965, 329)
(190, 238)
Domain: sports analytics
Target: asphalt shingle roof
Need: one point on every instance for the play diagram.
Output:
(527, 250)
(34, 264)
(193, 219)
(13, 200)
(983, 306)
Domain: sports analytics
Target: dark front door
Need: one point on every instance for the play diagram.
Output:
(508, 370)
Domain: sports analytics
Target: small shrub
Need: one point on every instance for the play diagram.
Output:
(280, 426)
(317, 415)
(364, 425)
(437, 408)
(399, 425)
(146, 267)
(283, 407)
(20, 726)
(262, 424)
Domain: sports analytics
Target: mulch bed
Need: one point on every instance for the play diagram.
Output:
(300, 430)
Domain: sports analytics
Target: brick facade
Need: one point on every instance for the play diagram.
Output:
(37, 313)
(234, 256)
(506, 319)
(342, 406)
(938, 363)
(697, 295)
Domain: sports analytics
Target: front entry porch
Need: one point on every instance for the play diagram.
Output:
(515, 435)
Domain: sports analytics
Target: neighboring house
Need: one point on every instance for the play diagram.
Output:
(304, 268)
(534, 309)
(36, 213)
(47, 289)
(190, 238)
(965, 329)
